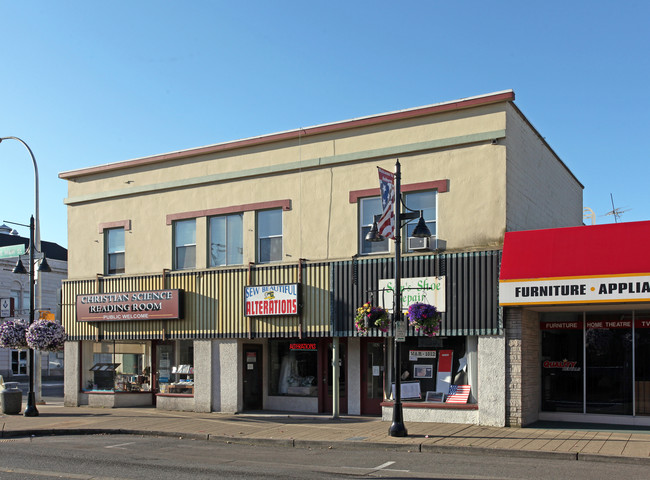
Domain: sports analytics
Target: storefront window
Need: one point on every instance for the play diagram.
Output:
(293, 368)
(175, 367)
(608, 345)
(613, 378)
(434, 364)
(642, 363)
(117, 366)
(562, 362)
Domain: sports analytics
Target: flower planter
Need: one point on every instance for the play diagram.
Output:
(368, 317)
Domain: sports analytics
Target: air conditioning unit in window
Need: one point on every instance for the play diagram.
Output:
(422, 243)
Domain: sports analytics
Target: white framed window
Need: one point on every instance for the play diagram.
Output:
(114, 251)
(19, 362)
(425, 201)
(226, 240)
(269, 235)
(185, 244)
(368, 208)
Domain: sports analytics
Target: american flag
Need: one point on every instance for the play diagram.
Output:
(458, 394)
(386, 224)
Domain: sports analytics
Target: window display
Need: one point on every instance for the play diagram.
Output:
(293, 368)
(117, 366)
(175, 367)
(431, 366)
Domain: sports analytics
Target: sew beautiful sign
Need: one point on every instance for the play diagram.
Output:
(271, 300)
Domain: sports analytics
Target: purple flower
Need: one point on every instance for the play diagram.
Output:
(425, 318)
(13, 334)
(46, 336)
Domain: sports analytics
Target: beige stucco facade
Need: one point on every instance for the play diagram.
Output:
(492, 171)
(496, 181)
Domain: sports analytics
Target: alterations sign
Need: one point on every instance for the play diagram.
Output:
(272, 300)
(146, 305)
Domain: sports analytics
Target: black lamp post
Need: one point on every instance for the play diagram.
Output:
(397, 428)
(30, 410)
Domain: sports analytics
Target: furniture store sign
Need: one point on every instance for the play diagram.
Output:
(429, 290)
(630, 288)
(147, 305)
(271, 300)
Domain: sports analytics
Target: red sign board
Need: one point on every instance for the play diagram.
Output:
(147, 305)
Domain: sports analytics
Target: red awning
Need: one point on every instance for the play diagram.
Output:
(612, 249)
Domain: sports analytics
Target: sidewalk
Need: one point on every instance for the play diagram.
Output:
(350, 432)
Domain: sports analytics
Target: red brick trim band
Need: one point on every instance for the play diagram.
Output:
(248, 207)
(441, 185)
(125, 224)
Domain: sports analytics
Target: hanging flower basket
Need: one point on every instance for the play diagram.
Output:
(46, 336)
(12, 334)
(369, 316)
(425, 318)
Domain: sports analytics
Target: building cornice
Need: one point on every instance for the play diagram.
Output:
(503, 96)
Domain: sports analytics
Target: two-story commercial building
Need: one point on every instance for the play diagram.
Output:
(227, 277)
(14, 295)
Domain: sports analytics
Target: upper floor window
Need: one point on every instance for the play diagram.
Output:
(114, 246)
(269, 235)
(226, 240)
(185, 244)
(425, 201)
(369, 207)
(21, 301)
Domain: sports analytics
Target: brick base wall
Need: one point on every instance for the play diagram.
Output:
(523, 349)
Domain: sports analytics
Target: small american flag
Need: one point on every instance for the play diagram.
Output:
(386, 224)
(458, 394)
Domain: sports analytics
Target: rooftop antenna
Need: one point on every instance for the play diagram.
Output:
(617, 212)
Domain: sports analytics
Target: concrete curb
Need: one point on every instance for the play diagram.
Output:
(501, 452)
(333, 445)
(594, 457)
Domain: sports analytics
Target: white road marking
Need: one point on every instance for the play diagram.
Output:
(119, 445)
(384, 465)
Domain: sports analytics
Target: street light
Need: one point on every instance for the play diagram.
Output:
(36, 233)
(397, 428)
(30, 410)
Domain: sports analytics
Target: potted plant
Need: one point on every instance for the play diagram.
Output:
(46, 336)
(13, 334)
(425, 318)
(369, 316)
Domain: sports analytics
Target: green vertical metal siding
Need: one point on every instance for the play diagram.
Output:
(471, 283)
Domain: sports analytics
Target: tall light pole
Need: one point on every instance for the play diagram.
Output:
(31, 410)
(397, 428)
(37, 235)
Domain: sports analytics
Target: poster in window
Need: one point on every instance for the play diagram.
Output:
(422, 371)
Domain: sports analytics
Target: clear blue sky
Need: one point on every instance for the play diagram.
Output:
(86, 83)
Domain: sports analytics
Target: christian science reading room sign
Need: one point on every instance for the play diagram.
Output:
(632, 288)
(147, 305)
(271, 300)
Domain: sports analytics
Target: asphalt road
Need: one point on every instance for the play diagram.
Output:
(51, 391)
(123, 457)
